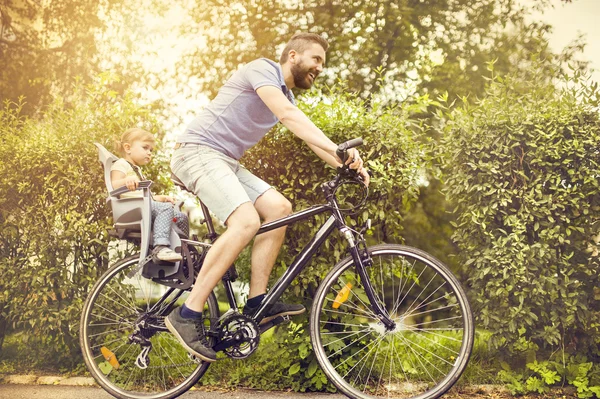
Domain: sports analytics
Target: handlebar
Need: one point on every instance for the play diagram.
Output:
(342, 150)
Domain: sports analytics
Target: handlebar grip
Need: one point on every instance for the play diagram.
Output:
(342, 148)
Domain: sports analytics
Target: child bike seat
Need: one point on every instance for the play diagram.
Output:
(131, 216)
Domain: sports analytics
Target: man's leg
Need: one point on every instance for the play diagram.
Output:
(186, 323)
(270, 206)
(242, 226)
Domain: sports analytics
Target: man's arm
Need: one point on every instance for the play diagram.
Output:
(295, 120)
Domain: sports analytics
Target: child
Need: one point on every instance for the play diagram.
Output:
(136, 146)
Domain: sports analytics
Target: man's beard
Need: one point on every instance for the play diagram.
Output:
(300, 74)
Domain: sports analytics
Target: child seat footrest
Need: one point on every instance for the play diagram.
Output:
(141, 264)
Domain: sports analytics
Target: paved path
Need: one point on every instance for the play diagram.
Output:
(23, 391)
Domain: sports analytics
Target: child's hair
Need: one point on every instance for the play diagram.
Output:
(131, 135)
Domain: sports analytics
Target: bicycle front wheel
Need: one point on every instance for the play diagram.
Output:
(125, 344)
(422, 356)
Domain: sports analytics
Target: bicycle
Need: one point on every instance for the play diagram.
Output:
(386, 321)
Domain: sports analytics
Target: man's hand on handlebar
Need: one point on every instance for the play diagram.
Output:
(355, 162)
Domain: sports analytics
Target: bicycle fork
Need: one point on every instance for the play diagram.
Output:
(362, 261)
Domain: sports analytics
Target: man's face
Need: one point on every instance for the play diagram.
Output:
(308, 66)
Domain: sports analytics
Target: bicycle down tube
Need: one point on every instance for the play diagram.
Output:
(300, 262)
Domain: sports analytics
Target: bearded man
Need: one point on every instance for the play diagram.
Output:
(206, 156)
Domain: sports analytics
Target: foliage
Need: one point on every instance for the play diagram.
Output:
(53, 215)
(296, 367)
(395, 157)
(576, 371)
(522, 170)
(365, 35)
(45, 45)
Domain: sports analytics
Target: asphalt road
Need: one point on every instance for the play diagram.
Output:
(13, 391)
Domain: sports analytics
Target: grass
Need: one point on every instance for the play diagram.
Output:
(259, 369)
(483, 366)
(18, 357)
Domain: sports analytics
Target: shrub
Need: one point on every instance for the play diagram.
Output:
(522, 168)
(396, 157)
(53, 213)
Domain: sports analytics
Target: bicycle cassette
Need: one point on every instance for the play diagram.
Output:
(239, 335)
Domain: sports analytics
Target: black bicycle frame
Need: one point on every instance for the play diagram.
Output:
(304, 257)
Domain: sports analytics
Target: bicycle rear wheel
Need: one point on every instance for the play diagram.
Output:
(117, 328)
(426, 352)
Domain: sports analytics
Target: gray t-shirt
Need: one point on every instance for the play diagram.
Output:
(237, 118)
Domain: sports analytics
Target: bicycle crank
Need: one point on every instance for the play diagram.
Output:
(239, 336)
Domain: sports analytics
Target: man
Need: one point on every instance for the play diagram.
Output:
(250, 103)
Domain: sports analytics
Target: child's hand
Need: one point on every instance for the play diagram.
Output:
(164, 198)
(131, 183)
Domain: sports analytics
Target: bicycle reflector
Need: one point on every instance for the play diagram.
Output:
(342, 296)
(110, 357)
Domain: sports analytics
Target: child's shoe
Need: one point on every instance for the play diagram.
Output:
(166, 254)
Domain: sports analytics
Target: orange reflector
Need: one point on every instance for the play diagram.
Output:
(342, 296)
(110, 357)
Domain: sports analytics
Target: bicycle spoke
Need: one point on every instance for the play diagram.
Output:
(130, 301)
(432, 310)
(363, 348)
(422, 291)
(428, 351)
(414, 357)
(341, 349)
(427, 331)
(349, 314)
(367, 307)
(372, 364)
(409, 290)
(348, 336)
(107, 332)
(119, 319)
(438, 344)
(438, 321)
(424, 304)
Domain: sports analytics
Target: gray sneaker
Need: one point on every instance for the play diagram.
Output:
(277, 309)
(191, 334)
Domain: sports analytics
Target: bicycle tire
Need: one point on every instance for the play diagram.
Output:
(108, 319)
(430, 346)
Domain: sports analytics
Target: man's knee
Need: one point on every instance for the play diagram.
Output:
(284, 208)
(244, 220)
(277, 208)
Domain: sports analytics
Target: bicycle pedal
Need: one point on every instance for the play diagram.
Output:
(276, 321)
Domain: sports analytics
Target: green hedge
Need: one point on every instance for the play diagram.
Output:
(394, 152)
(522, 168)
(53, 213)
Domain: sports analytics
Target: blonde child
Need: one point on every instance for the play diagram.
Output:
(136, 146)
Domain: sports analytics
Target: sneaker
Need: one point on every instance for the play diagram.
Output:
(166, 254)
(277, 309)
(191, 334)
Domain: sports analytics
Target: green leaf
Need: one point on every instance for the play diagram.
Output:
(105, 367)
(294, 369)
(312, 368)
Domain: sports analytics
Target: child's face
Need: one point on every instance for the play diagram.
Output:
(140, 152)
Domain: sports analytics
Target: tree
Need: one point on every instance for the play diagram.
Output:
(45, 46)
(365, 35)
